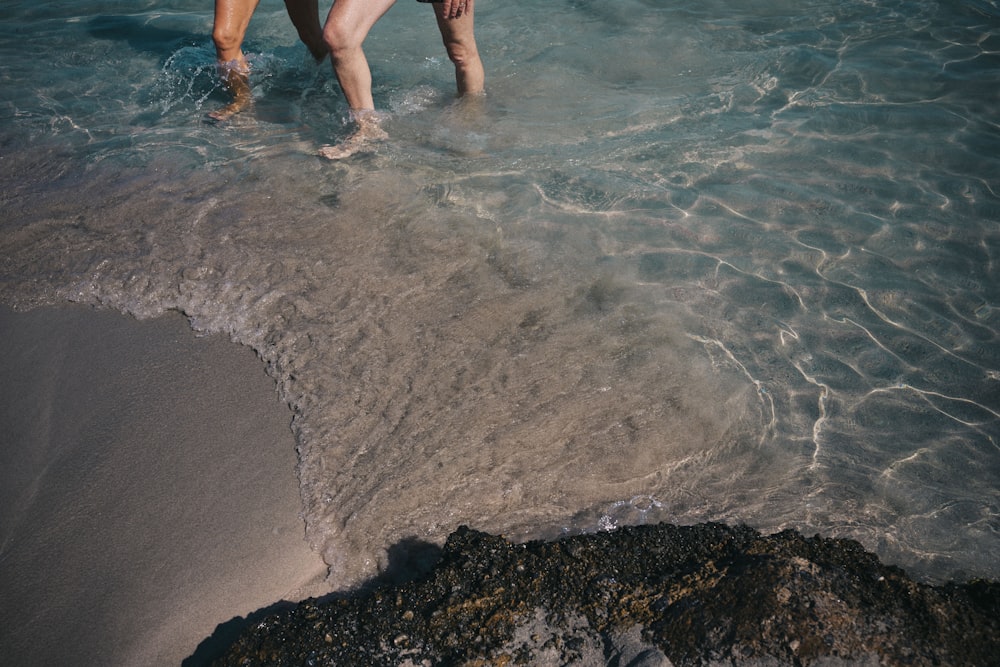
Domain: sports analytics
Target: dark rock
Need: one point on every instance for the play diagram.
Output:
(646, 595)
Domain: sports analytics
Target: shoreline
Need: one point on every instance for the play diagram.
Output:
(148, 490)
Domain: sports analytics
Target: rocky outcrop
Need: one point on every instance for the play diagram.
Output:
(646, 595)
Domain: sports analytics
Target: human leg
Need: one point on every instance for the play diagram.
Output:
(347, 26)
(232, 17)
(305, 17)
(458, 35)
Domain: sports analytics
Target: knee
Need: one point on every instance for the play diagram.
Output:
(226, 39)
(338, 40)
(461, 53)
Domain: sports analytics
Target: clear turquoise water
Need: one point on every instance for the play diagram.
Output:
(688, 261)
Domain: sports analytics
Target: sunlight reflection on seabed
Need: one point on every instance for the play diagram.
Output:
(766, 399)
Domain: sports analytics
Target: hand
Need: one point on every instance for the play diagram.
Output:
(453, 9)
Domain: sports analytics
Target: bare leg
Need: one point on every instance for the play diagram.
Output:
(459, 39)
(231, 20)
(345, 31)
(305, 17)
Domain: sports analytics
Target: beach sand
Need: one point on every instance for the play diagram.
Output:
(148, 496)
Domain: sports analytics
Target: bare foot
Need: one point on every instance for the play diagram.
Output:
(369, 132)
(236, 78)
(228, 111)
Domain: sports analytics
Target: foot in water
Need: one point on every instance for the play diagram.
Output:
(369, 133)
(236, 78)
(228, 111)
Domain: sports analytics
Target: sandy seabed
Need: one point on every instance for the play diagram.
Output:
(147, 490)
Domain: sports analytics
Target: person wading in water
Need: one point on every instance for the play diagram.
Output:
(232, 17)
(347, 26)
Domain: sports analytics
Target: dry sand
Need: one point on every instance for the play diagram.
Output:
(148, 495)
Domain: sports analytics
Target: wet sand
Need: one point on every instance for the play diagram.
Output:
(147, 491)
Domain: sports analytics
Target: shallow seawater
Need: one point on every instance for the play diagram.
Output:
(686, 261)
